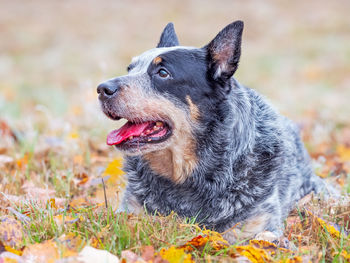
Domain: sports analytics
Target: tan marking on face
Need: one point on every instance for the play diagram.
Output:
(157, 60)
(175, 158)
(194, 111)
(179, 159)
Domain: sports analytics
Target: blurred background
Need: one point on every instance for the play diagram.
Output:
(53, 54)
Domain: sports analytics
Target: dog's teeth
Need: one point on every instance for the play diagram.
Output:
(131, 137)
(159, 123)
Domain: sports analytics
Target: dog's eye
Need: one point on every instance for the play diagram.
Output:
(163, 73)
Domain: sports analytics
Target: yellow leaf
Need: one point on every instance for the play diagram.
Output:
(114, 171)
(175, 255)
(263, 244)
(216, 239)
(9, 260)
(345, 255)
(73, 135)
(330, 229)
(13, 251)
(255, 255)
(344, 153)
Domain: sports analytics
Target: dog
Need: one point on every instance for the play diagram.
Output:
(199, 143)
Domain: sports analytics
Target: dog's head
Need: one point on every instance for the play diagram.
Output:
(169, 90)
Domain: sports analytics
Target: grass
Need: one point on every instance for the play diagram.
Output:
(52, 61)
(35, 177)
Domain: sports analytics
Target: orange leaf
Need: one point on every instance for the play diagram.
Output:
(344, 153)
(46, 251)
(255, 255)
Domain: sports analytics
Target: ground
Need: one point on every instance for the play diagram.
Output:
(53, 155)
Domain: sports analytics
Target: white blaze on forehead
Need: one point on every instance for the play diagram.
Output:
(140, 63)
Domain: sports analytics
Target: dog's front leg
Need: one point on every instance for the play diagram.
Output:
(253, 226)
(130, 204)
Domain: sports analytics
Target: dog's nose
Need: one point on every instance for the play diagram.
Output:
(107, 89)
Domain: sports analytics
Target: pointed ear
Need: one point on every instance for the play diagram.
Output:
(168, 37)
(224, 51)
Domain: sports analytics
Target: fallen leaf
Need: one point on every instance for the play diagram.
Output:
(80, 203)
(254, 254)
(129, 256)
(22, 162)
(11, 232)
(197, 242)
(73, 135)
(46, 251)
(78, 160)
(344, 153)
(51, 250)
(147, 253)
(42, 194)
(294, 260)
(93, 255)
(330, 227)
(114, 171)
(8, 257)
(175, 255)
(69, 244)
(5, 130)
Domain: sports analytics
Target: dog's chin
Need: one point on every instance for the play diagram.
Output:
(142, 148)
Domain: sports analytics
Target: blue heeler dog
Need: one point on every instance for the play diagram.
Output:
(199, 143)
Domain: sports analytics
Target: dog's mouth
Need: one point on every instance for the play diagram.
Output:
(135, 134)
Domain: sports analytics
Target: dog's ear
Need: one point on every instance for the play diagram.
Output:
(168, 37)
(224, 51)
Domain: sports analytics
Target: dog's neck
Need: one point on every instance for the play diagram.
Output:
(177, 161)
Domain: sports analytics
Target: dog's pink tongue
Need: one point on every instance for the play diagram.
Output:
(128, 129)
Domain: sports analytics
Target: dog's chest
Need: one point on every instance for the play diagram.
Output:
(212, 202)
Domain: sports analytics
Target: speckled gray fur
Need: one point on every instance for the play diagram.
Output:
(251, 163)
(262, 167)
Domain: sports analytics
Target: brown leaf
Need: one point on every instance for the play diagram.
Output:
(129, 256)
(65, 246)
(147, 253)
